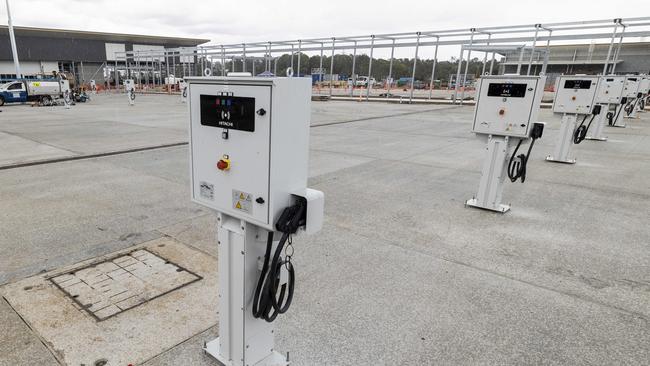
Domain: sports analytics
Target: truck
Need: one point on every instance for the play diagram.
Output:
(42, 91)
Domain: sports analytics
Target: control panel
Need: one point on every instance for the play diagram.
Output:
(631, 86)
(249, 141)
(129, 85)
(609, 89)
(575, 94)
(507, 105)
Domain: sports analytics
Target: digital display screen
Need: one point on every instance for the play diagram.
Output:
(577, 84)
(631, 79)
(227, 111)
(507, 90)
(610, 80)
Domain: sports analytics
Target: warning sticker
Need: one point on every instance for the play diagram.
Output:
(242, 201)
(206, 190)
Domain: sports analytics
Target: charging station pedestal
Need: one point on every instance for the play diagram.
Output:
(242, 338)
(493, 175)
(129, 87)
(619, 121)
(565, 141)
(506, 112)
(249, 146)
(630, 89)
(182, 86)
(596, 132)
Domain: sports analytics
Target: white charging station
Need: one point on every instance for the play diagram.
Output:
(641, 95)
(93, 86)
(608, 96)
(506, 112)
(129, 88)
(574, 99)
(628, 100)
(249, 140)
(182, 86)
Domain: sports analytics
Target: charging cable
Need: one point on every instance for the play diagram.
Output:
(271, 298)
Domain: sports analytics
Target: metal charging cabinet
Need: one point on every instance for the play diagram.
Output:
(574, 97)
(608, 96)
(249, 152)
(258, 128)
(507, 108)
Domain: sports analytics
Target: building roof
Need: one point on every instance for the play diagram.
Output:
(109, 37)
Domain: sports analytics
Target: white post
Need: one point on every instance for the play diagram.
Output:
(564, 141)
(493, 174)
(12, 39)
(243, 339)
(596, 132)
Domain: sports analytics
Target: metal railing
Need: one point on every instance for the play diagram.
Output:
(479, 39)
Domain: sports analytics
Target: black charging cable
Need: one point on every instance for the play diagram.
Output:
(271, 298)
(629, 108)
(517, 164)
(619, 108)
(580, 134)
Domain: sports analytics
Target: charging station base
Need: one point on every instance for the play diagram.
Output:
(500, 208)
(274, 359)
(596, 138)
(567, 161)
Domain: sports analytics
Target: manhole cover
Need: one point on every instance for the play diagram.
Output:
(111, 287)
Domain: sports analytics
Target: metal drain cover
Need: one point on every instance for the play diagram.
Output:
(113, 286)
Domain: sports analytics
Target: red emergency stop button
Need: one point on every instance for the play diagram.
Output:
(223, 164)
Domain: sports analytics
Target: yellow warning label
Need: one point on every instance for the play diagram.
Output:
(242, 201)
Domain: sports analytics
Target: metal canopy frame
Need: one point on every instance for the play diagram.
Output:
(524, 36)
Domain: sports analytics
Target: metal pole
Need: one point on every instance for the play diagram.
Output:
(433, 69)
(390, 68)
(12, 38)
(547, 54)
(492, 63)
(117, 76)
(168, 84)
(532, 50)
(521, 59)
(331, 65)
(618, 50)
(469, 59)
(372, 48)
(299, 50)
(485, 55)
(292, 52)
(83, 77)
(203, 56)
(354, 61)
(415, 63)
(223, 61)
(244, 58)
(460, 63)
(611, 46)
(320, 75)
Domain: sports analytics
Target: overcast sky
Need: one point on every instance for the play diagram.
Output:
(257, 20)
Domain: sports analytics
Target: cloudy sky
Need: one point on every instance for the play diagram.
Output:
(261, 20)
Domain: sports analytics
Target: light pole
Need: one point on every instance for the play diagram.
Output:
(13, 43)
